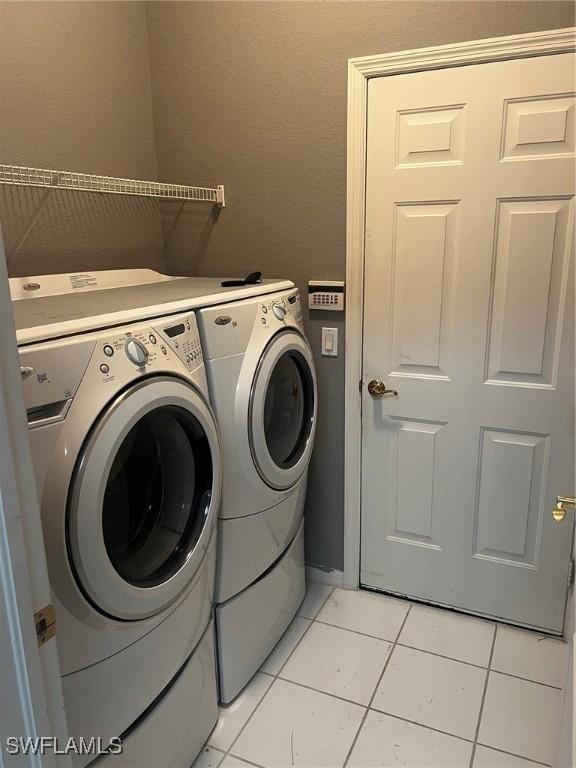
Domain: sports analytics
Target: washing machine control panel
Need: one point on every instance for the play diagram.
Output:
(182, 337)
(53, 371)
(287, 310)
(151, 348)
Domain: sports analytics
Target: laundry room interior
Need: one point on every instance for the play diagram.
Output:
(287, 399)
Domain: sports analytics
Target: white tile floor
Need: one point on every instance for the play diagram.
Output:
(364, 680)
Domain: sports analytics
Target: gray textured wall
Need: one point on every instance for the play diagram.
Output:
(254, 95)
(75, 95)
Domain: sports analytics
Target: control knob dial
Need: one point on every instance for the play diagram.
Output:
(279, 311)
(136, 352)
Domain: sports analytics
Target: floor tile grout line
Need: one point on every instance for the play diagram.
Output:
(513, 754)
(421, 725)
(355, 631)
(248, 762)
(276, 676)
(323, 603)
(207, 748)
(304, 633)
(439, 655)
(443, 656)
(324, 693)
(483, 700)
(454, 736)
(370, 708)
(376, 687)
(287, 659)
(526, 679)
(393, 716)
(236, 757)
(480, 666)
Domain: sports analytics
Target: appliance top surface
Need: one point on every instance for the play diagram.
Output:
(51, 316)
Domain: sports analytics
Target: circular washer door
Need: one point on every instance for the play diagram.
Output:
(144, 498)
(282, 414)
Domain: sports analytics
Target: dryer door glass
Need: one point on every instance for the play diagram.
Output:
(157, 496)
(288, 409)
(282, 410)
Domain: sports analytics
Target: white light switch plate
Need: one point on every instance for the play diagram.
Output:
(330, 342)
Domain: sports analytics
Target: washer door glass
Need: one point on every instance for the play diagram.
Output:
(156, 497)
(143, 499)
(287, 409)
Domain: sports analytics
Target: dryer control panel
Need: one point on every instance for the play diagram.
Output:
(228, 329)
(286, 309)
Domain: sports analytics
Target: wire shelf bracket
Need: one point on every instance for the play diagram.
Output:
(85, 182)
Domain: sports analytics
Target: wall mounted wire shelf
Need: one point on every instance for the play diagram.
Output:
(85, 182)
(49, 180)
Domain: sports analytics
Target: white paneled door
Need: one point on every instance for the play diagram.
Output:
(469, 315)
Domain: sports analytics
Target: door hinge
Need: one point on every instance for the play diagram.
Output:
(570, 577)
(45, 621)
(360, 385)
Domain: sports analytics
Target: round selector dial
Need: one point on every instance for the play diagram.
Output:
(279, 311)
(136, 352)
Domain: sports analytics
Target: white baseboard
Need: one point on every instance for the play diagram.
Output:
(334, 578)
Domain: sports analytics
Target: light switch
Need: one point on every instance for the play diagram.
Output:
(330, 342)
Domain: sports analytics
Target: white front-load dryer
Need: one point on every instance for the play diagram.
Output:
(127, 461)
(263, 388)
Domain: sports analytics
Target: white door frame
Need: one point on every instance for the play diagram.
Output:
(360, 70)
(31, 701)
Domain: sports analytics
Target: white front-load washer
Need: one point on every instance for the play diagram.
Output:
(127, 462)
(263, 389)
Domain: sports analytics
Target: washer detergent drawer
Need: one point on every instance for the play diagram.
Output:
(249, 625)
(174, 731)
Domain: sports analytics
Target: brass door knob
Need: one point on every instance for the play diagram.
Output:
(378, 388)
(562, 504)
(559, 513)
